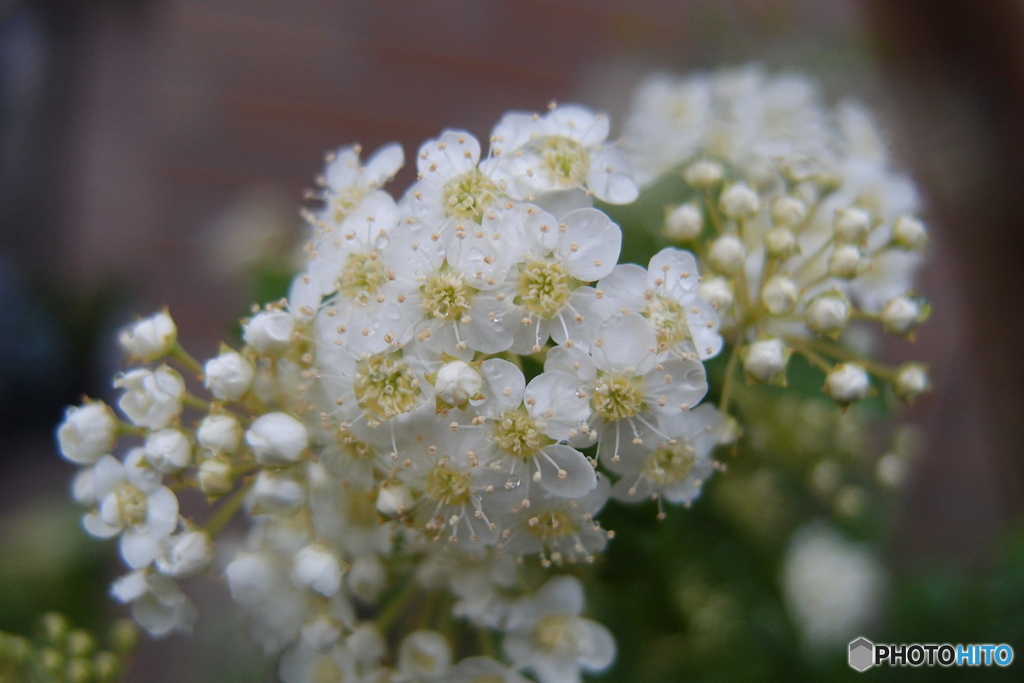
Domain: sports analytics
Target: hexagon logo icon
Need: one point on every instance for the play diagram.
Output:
(862, 654)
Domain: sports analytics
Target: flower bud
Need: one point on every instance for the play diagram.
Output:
(317, 568)
(765, 359)
(718, 292)
(909, 233)
(846, 383)
(851, 226)
(828, 314)
(277, 439)
(727, 255)
(788, 211)
(457, 382)
(911, 381)
(150, 338)
(250, 578)
(394, 500)
(902, 314)
(779, 295)
(189, 553)
(215, 478)
(277, 493)
(219, 433)
(366, 577)
(780, 243)
(229, 376)
(320, 633)
(270, 332)
(739, 201)
(685, 222)
(845, 261)
(704, 174)
(87, 432)
(168, 450)
(152, 398)
(423, 653)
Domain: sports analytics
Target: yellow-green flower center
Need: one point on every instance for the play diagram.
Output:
(668, 319)
(446, 296)
(565, 160)
(616, 397)
(131, 502)
(447, 485)
(385, 387)
(326, 670)
(468, 195)
(555, 633)
(669, 464)
(361, 277)
(552, 525)
(544, 288)
(515, 432)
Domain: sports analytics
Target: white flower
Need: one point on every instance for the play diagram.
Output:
(219, 433)
(765, 359)
(317, 568)
(424, 653)
(482, 670)
(366, 578)
(152, 398)
(269, 332)
(133, 501)
(346, 180)
(158, 605)
(186, 554)
(87, 432)
(168, 450)
(150, 338)
(457, 382)
(562, 150)
(832, 587)
(848, 382)
(547, 635)
(229, 376)
(277, 439)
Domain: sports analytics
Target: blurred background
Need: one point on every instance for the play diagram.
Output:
(153, 152)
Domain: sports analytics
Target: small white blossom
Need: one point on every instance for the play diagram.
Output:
(457, 382)
(168, 450)
(788, 211)
(845, 261)
(902, 314)
(684, 222)
(779, 295)
(851, 225)
(87, 432)
(912, 381)
(158, 605)
(828, 313)
(215, 478)
(186, 554)
(909, 233)
(277, 439)
(219, 433)
(727, 255)
(229, 376)
(424, 653)
(848, 382)
(739, 201)
(269, 332)
(152, 398)
(317, 568)
(765, 359)
(150, 338)
(277, 493)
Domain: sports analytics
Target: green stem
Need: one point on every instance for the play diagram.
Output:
(219, 519)
(396, 607)
(196, 402)
(730, 377)
(179, 354)
(842, 353)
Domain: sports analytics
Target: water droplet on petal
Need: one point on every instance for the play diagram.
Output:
(513, 483)
(382, 241)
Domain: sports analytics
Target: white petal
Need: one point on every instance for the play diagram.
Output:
(580, 318)
(138, 548)
(304, 297)
(384, 164)
(626, 284)
(579, 123)
(558, 404)
(590, 244)
(680, 384)
(98, 528)
(107, 473)
(503, 388)
(492, 324)
(599, 646)
(579, 479)
(162, 512)
(624, 344)
(561, 595)
(678, 268)
(453, 153)
(611, 177)
(572, 360)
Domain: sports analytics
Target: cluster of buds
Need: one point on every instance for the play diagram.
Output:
(456, 384)
(61, 654)
(802, 228)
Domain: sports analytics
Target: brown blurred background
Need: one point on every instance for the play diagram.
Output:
(140, 138)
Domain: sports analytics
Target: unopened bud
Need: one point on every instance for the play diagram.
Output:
(727, 255)
(846, 383)
(219, 433)
(765, 359)
(149, 338)
(457, 382)
(911, 381)
(277, 439)
(704, 174)
(779, 295)
(780, 243)
(215, 477)
(229, 376)
(718, 292)
(739, 201)
(394, 500)
(902, 314)
(685, 222)
(270, 332)
(909, 233)
(317, 568)
(168, 450)
(845, 261)
(788, 211)
(851, 226)
(828, 314)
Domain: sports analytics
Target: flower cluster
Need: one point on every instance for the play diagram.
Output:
(459, 380)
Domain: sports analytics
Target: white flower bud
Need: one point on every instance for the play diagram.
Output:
(366, 577)
(317, 568)
(219, 433)
(780, 243)
(87, 432)
(727, 255)
(277, 493)
(152, 398)
(277, 439)
(685, 222)
(765, 359)
(457, 382)
(321, 633)
(788, 211)
(229, 376)
(912, 381)
(250, 578)
(189, 553)
(779, 295)
(847, 382)
(845, 261)
(716, 291)
(270, 332)
(150, 338)
(909, 233)
(168, 450)
(394, 499)
(704, 173)
(902, 314)
(424, 653)
(366, 643)
(828, 314)
(215, 478)
(851, 226)
(739, 201)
